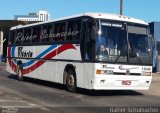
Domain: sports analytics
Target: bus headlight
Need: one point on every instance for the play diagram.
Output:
(104, 72)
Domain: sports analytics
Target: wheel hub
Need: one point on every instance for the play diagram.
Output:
(70, 81)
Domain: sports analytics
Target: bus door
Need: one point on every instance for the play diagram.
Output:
(89, 51)
(89, 41)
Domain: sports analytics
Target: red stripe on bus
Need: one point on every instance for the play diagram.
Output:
(11, 63)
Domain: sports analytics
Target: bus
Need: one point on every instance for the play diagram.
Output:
(94, 51)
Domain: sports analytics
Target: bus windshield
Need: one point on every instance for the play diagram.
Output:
(120, 43)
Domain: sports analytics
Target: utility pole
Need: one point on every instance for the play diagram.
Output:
(121, 7)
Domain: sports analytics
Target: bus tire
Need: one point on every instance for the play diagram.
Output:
(71, 81)
(20, 72)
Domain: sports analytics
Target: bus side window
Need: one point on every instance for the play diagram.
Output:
(27, 36)
(44, 35)
(36, 34)
(76, 30)
(55, 32)
(19, 37)
(50, 32)
(69, 30)
(62, 36)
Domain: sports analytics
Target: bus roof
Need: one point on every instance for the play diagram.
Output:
(93, 15)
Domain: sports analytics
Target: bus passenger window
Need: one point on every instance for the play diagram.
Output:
(27, 36)
(50, 32)
(62, 32)
(56, 33)
(44, 35)
(76, 30)
(19, 37)
(36, 34)
(69, 30)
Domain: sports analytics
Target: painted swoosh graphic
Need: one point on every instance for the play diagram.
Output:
(47, 54)
(39, 56)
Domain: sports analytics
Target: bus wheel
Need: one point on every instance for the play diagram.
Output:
(20, 72)
(71, 81)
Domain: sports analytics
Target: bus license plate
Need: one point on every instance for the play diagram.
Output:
(126, 82)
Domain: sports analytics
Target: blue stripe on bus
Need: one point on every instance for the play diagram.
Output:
(39, 56)
(13, 49)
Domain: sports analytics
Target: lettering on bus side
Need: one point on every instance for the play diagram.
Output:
(24, 54)
(61, 34)
(107, 67)
(44, 35)
(20, 37)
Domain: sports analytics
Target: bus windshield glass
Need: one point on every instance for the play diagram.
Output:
(120, 43)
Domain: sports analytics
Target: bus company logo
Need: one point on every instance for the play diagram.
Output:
(24, 54)
(127, 72)
(127, 69)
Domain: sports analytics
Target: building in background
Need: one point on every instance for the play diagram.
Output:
(42, 15)
(5, 26)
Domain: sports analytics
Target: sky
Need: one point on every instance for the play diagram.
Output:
(148, 10)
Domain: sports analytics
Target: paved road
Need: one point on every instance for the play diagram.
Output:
(37, 96)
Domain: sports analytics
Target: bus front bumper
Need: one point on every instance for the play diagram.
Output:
(118, 82)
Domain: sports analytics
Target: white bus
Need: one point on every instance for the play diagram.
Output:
(93, 51)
